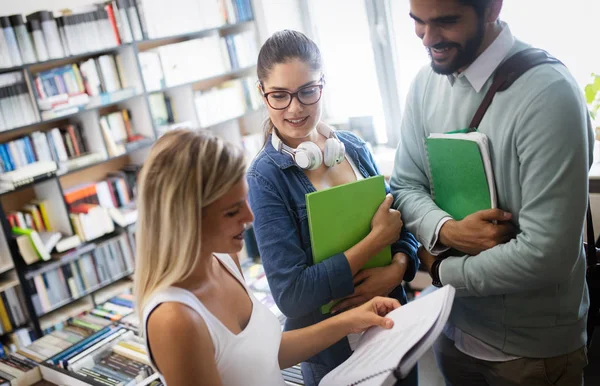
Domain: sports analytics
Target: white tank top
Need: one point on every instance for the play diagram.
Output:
(248, 358)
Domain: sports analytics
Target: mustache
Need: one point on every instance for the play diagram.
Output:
(443, 45)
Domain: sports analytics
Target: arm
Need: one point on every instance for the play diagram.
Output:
(297, 345)
(406, 244)
(290, 278)
(181, 346)
(552, 141)
(409, 182)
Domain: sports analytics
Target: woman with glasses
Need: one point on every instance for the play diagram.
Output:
(303, 155)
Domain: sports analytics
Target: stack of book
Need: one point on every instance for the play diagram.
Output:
(16, 105)
(67, 89)
(13, 313)
(114, 355)
(114, 196)
(116, 308)
(16, 369)
(119, 134)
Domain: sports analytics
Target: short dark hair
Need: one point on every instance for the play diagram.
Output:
(287, 45)
(479, 5)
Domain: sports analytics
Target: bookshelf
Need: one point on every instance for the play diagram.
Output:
(223, 53)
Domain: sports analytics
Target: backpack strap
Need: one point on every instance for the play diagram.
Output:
(508, 73)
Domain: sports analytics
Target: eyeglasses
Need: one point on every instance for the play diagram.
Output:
(309, 95)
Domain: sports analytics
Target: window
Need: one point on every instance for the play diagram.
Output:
(342, 31)
(566, 30)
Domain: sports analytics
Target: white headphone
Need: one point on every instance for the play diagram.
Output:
(308, 154)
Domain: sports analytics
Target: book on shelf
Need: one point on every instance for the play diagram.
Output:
(241, 49)
(118, 132)
(384, 357)
(16, 369)
(227, 101)
(114, 355)
(79, 273)
(64, 336)
(161, 109)
(200, 15)
(16, 105)
(42, 242)
(69, 88)
(26, 175)
(13, 312)
(112, 199)
(152, 72)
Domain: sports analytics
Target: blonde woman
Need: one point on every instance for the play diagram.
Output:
(201, 324)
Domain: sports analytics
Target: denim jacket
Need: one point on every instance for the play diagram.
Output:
(277, 189)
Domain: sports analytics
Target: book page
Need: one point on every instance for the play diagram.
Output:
(379, 351)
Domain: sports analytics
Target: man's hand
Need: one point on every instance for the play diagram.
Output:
(373, 282)
(477, 232)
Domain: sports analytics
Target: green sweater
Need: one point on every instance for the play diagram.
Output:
(527, 297)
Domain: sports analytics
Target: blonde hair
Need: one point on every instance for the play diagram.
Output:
(185, 171)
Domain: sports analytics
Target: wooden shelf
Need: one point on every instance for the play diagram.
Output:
(82, 109)
(41, 66)
(143, 144)
(210, 81)
(90, 291)
(142, 45)
(149, 44)
(246, 114)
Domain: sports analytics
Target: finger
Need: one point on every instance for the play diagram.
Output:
(387, 203)
(384, 305)
(360, 276)
(494, 215)
(382, 322)
(348, 303)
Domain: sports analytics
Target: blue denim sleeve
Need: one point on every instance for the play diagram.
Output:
(407, 243)
(298, 288)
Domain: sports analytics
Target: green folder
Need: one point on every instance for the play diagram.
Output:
(340, 217)
(461, 175)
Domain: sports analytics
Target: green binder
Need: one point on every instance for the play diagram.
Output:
(461, 175)
(340, 217)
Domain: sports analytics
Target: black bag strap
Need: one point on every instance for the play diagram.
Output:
(505, 76)
(508, 73)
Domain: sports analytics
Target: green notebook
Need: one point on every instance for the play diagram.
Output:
(340, 217)
(461, 175)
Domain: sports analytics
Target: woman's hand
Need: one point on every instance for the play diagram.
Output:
(386, 224)
(369, 314)
(373, 282)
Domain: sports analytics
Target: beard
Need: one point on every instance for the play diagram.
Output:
(465, 53)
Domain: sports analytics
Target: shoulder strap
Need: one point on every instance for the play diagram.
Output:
(504, 77)
(508, 73)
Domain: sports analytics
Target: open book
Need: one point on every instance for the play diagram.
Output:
(461, 174)
(384, 356)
